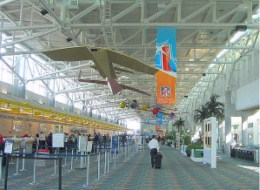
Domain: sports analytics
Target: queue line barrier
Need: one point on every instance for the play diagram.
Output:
(96, 165)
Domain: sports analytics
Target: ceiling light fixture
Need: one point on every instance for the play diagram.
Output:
(44, 12)
(241, 28)
(237, 36)
(69, 39)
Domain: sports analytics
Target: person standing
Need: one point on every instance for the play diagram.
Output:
(2, 148)
(154, 148)
(42, 140)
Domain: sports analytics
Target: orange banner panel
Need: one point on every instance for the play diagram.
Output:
(165, 88)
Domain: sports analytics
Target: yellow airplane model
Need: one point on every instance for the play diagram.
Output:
(103, 60)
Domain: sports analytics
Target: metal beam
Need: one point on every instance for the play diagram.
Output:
(60, 22)
(58, 71)
(85, 12)
(197, 12)
(125, 12)
(29, 37)
(216, 26)
(3, 3)
(92, 98)
(30, 27)
(161, 12)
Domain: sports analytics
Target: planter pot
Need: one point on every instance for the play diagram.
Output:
(188, 152)
(197, 155)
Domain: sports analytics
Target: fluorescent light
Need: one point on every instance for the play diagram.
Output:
(237, 36)
(211, 65)
(221, 53)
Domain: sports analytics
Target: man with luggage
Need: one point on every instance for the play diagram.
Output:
(154, 148)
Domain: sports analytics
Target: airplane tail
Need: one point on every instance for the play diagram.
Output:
(114, 86)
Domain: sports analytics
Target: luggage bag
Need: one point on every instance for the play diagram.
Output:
(158, 160)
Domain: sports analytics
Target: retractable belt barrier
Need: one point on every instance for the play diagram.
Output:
(102, 159)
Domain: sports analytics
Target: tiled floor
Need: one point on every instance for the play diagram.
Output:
(177, 172)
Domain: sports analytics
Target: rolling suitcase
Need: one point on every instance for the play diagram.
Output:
(158, 160)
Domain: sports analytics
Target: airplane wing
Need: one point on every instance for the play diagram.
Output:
(131, 63)
(103, 59)
(69, 54)
(92, 53)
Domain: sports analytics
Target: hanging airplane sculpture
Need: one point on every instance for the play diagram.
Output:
(103, 60)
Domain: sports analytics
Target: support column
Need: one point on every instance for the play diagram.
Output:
(227, 134)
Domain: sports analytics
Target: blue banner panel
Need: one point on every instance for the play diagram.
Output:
(166, 49)
(159, 118)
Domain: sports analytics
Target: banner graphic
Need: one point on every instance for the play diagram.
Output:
(166, 61)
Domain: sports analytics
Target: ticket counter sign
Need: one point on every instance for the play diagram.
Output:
(58, 140)
(82, 143)
(89, 146)
(114, 144)
(8, 146)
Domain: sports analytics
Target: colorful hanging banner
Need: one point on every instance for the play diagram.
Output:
(166, 61)
(159, 118)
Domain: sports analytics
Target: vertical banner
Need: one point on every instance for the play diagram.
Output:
(159, 119)
(166, 61)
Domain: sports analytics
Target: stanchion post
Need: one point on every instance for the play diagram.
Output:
(11, 159)
(87, 173)
(108, 160)
(60, 173)
(98, 167)
(125, 154)
(117, 155)
(65, 160)
(71, 160)
(114, 155)
(6, 171)
(55, 165)
(105, 163)
(34, 174)
(17, 167)
(23, 162)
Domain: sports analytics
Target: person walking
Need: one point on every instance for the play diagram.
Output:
(154, 148)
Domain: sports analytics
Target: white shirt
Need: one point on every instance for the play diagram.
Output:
(42, 137)
(154, 144)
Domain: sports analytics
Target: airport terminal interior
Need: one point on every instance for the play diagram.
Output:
(86, 84)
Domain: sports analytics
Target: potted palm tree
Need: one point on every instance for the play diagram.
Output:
(212, 108)
(201, 114)
(179, 124)
(215, 108)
